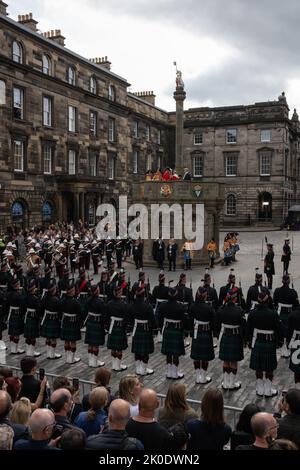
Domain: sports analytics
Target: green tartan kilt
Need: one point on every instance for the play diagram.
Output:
(173, 343)
(16, 324)
(50, 328)
(231, 348)
(95, 333)
(294, 367)
(3, 324)
(31, 328)
(117, 339)
(70, 330)
(203, 347)
(263, 356)
(284, 318)
(142, 341)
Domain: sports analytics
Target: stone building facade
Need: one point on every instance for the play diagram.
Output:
(72, 136)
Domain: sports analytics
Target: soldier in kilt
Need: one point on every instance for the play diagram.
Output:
(285, 299)
(231, 285)
(171, 320)
(63, 283)
(82, 287)
(293, 339)
(95, 328)
(231, 329)
(254, 291)
(264, 334)
(71, 323)
(50, 324)
(141, 317)
(15, 321)
(32, 306)
(116, 320)
(159, 295)
(104, 287)
(202, 318)
(185, 296)
(45, 282)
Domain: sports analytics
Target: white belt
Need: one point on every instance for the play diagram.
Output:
(112, 322)
(169, 320)
(91, 314)
(28, 311)
(227, 327)
(256, 331)
(44, 292)
(82, 294)
(197, 323)
(11, 310)
(138, 322)
(253, 304)
(284, 306)
(68, 315)
(63, 292)
(47, 312)
(3, 286)
(159, 301)
(209, 302)
(295, 333)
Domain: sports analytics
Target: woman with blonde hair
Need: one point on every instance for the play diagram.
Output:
(176, 408)
(21, 411)
(130, 389)
(92, 421)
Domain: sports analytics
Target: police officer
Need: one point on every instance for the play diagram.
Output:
(70, 323)
(141, 318)
(264, 334)
(116, 320)
(95, 328)
(202, 317)
(50, 324)
(32, 307)
(285, 299)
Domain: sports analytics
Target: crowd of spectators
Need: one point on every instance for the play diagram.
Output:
(34, 416)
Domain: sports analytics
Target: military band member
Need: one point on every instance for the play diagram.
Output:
(70, 323)
(87, 256)
(18, 274)
(172, 322)
(254, 291)
(293, 341)
(109, 249)
(286, 256)
(269, 267)
(45, 282)
(285, 299)
(74, 260)
(202, 317)
(263, 335)
(15, 320)
(117, 317)
(141, 317)
(231, 328)
(230, 285)
(32, 306)
(119, 252)
(5, 276)
(96, 254)
(50, 324)
(95, 328)
(63, 283)
(160, 294)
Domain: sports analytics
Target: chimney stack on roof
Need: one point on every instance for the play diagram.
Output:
(147, 96)
(28, 20)
(103, 61)
(55, 35)
(3, 7)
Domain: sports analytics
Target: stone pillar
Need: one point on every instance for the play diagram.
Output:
(179, 97)
(76, 208)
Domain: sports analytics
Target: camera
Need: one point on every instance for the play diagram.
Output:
(41, 373)
(75, 384)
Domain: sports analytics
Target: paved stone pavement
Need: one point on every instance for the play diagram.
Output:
(247, 259)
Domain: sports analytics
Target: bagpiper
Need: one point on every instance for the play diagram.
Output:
(116, 320)
(160, 294)
(50, 324)
(202, 317)
(269, 267)
(172, 322)
(293, 341)
(32, 306)
(141, 317)
(70, 323)
(95, 326)
(285, 299)
(229, 286)
(264, 334)
(231, 329)
(15, 320)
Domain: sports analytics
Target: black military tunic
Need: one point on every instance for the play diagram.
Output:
(32, 310)
(15, 316)
(160, 292)
(212, 296)
(117, 338)
(223, 294)
(95, 321)
(50, 324)
(185, 296)
(71, 319)
(173, 343)
(287, 296)
(3, 312)
(293, 334)
(45, 284)
(202, 318)
(231, 339)
(141, 317)
(263, 345)
(252, 296)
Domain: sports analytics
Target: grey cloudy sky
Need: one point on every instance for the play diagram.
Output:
(230, 51)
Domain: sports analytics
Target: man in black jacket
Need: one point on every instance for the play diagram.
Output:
(289, 425)
(115, 437)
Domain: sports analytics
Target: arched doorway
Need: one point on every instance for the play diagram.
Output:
(47, 213)
(265, 206)
(19, 214)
